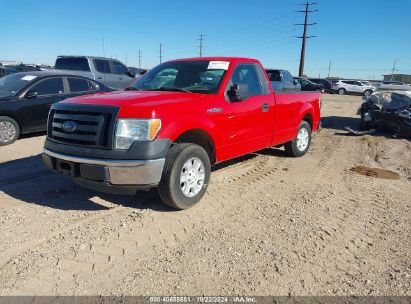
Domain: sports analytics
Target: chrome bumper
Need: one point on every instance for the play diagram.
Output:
(121, 172)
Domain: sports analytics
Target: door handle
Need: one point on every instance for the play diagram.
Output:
(265, 107)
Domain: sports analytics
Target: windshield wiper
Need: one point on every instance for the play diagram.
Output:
(171, 89)
(132, 89)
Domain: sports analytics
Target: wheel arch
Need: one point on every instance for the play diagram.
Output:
(199, 137)
(14, 117)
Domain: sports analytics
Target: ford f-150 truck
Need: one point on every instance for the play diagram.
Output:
(170, 126)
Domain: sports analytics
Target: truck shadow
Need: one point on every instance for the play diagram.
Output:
(27, 180)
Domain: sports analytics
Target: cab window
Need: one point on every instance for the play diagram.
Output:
(102, 66)
(119, 68)
(246, 74)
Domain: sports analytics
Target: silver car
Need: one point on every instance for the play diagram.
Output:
(110, 72)
(343, 87)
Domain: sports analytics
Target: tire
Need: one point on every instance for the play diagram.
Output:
(342, 91)
(368, 93)
(9, 130)
(299, 146)
(183, 195)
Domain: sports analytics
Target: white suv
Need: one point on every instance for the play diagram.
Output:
(354, 87)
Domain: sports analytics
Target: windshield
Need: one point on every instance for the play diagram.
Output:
(11, 84)
(184, 76)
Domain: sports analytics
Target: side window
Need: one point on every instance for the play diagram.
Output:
(247, 74)
(119, 68)
(49, 86)
(263, 80)
(78, 85)
(102, 66)
(287, 77)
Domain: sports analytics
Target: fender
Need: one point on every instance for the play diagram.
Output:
(186, 122)
(308, 108)
(16, 118)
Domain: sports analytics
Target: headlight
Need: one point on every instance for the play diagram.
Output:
(131, 130)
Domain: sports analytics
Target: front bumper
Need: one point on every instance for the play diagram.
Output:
(102, 174)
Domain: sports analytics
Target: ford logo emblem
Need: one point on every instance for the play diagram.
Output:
(70, 126)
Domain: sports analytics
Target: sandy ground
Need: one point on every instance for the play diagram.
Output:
(269, 225)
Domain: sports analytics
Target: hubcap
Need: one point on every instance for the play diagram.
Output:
(341, 92)
(192, 177)
(7, 131)
(302, 139)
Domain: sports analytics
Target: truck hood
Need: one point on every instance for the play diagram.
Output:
(135, 98)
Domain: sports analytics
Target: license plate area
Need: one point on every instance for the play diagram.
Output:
(66, 168)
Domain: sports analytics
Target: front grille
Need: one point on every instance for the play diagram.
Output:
(94, 125)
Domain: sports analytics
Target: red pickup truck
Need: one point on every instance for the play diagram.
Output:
(170, 126)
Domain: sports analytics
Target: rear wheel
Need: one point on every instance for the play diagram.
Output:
(300, 145)
(9, 130)
(185, 176)
(342, 91)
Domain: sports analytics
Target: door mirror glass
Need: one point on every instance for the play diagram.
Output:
(238, 92)
(31, 94)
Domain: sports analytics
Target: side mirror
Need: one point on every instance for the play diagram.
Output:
(31, 94)
(238, 92)
(130, 73)
(295, 81)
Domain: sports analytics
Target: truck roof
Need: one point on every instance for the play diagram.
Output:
(230, 59)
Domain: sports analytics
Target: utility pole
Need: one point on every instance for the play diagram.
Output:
(139, 59)
(126, 58)
(329, 69)
(304, 37)
(161, 53)
(201, 44)
(394, 69)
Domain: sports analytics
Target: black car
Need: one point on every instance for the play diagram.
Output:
(25, 99)
(307, 85)
(324, 82)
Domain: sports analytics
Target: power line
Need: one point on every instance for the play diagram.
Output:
(139, 59)
(201, 45)
(304, 37)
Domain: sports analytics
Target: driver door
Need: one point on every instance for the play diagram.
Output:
(248, 124)
(36, 108)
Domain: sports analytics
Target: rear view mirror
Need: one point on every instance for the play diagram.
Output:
(31, 94)
(238, 92)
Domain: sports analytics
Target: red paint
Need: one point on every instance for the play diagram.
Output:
(240, 128)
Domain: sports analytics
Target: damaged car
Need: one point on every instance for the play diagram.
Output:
(388, 111)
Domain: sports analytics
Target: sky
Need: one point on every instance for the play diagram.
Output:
(360, 38)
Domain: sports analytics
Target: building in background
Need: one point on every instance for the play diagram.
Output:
(398, 77)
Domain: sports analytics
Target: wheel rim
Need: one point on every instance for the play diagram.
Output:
(7, 131)
(302, 139)
(367, 93)
(192, 177)
(341, 92)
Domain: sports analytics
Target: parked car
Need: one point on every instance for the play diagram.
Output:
(352, 87)
(307, 85)
(282, 81)
(167, 131)
(110, 72)
(26, 98)
(6, 71)
(324, 82)
(393, 85)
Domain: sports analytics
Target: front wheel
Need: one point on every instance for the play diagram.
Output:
(9, 130)
(368, 93)
(300, 145)
(185, 176)
(342, 91)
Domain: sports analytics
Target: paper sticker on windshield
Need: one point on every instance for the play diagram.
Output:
(28, 77)
(218, 65)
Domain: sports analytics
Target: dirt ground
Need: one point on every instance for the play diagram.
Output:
(269, 225)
